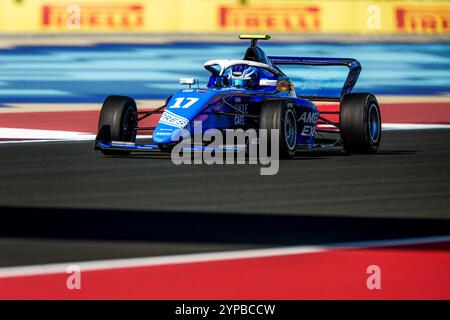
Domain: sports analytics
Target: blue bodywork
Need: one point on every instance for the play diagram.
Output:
(226, 107)
(213, 109)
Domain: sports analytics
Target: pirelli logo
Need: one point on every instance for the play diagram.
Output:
(95, 16)
(423, 19)
(274, 18)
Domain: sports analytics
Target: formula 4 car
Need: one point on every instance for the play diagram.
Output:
(250, 93)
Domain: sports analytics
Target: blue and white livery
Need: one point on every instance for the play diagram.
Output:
(251, 93)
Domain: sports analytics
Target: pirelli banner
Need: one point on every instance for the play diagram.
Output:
(228, 16)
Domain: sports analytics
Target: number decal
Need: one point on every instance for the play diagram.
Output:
(179, 103)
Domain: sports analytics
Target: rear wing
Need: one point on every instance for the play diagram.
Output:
(352, 77)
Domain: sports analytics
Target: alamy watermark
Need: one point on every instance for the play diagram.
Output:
(373, 21)
(73, 281)
(374, 280)
(73, 21)
(228, 146)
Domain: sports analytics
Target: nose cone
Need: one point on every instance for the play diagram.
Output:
(183, 107)
(163, 134)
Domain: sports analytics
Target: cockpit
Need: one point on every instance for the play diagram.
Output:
(246, 75)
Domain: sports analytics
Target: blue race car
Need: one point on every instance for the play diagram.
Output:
(252, 93)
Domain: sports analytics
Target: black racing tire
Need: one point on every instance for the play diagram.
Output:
(120, 114)
(360, 123)
(281, 115)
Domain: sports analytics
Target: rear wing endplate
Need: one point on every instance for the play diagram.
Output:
(353, 65)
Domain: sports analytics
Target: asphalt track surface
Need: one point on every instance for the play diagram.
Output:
(63, 202)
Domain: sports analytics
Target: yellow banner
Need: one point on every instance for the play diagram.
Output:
(230, 16)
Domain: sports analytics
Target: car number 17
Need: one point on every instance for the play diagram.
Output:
(184, 103)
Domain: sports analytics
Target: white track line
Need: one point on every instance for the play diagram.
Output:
(59, 268)
(144, 105)
(413, 126)
(88, 138)
(19, 133)
(402, 126)
(34, 135)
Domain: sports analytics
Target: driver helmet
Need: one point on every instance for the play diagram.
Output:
(243, 76)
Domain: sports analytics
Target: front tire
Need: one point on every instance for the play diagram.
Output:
(280, 114)
(360, 123)
(119, 113)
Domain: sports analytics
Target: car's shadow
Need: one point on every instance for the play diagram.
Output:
(396, 152)
(301, 155)
(314, 154)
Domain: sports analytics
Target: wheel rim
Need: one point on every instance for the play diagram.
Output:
(129, 133)
(290, 129)
(374, 123)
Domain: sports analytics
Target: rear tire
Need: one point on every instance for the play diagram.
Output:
(280, 114)
(120, 114)
(360, 123)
